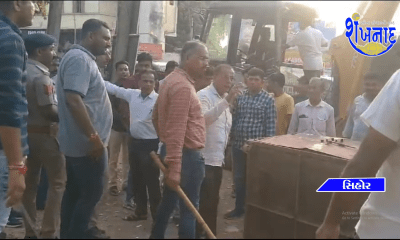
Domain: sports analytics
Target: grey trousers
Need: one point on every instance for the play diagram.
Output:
(44, 151)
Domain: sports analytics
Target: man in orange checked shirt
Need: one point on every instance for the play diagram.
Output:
(180, 124)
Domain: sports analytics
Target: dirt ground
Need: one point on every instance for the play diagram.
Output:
(111, 213)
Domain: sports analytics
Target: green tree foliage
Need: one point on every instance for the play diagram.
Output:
(185, 9)
(218, 37)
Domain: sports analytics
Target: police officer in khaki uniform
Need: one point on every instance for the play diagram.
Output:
(42, 133)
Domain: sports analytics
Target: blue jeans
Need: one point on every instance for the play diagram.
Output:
(4, 211)
(85, 180)
(239, 161)
(192, 175)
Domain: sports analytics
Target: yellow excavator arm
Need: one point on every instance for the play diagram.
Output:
(351, 65)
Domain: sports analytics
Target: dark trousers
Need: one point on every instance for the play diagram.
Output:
(146, 175)
(239, 160)
(209, 198)
(131, 186)
(85, 179)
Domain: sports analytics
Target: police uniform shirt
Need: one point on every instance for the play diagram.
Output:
(40, 91)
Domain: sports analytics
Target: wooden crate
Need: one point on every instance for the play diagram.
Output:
(283, 174)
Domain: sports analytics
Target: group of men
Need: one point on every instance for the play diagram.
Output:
(67, 125)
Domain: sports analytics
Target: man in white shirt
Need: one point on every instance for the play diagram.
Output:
(144, 140)
(378, 156)
(309, 42)
(355, 128)
(313, 116)
(215, 107)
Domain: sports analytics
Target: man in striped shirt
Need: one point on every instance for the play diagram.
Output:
(180, 124)
(254, 117)
(13, 103)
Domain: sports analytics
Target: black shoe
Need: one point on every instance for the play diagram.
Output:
(96, 233)
(34, 237)
(14, 223)
(129, 205)
(15, 215)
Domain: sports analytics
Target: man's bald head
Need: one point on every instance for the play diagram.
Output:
(190, 48)
(223, 78)
(194, 59)
(222, 67)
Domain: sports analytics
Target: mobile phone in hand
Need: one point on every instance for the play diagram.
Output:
(234, 84)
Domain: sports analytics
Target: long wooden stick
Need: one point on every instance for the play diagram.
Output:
(21, 209)
(185, 199)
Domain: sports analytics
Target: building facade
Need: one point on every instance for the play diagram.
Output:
(74, 14)
(157, 19)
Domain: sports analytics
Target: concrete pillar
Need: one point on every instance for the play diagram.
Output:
(119, 51)
(54, 20)
(134, 38)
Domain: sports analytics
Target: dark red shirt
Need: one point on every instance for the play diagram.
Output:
(132, 82)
